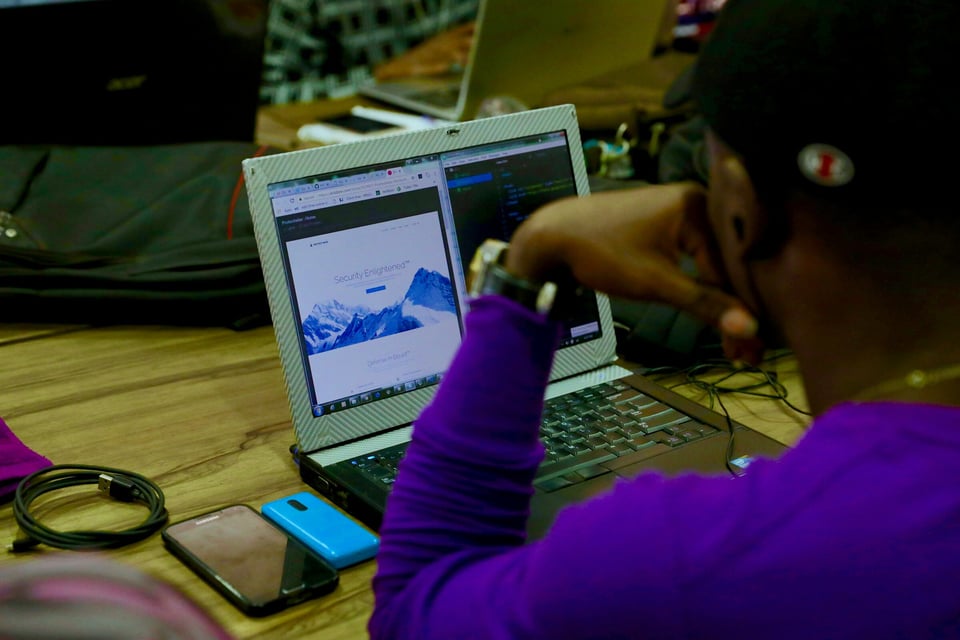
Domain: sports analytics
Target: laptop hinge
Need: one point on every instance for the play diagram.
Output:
(584, 380)
(341, 452)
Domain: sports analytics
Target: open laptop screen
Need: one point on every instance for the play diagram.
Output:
(374, 258)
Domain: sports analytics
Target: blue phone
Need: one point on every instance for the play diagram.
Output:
(323, 528)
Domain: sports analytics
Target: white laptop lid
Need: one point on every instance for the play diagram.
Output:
(364, 246)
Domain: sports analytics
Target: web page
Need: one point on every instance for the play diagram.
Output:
(371, 281)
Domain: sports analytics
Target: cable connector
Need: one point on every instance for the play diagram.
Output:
(116, 483)
(22, 544)
(117, 487)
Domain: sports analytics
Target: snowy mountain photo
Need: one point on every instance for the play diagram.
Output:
(427, 301)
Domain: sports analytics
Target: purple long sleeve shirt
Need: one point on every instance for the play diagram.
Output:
(854, 533)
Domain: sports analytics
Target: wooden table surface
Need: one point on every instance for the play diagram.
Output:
(201, 411)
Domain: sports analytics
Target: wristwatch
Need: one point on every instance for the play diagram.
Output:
(489, 276)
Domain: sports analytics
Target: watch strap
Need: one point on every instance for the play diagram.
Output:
(490, 277)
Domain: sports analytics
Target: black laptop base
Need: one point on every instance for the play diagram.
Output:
(688, 437)
(364, 500)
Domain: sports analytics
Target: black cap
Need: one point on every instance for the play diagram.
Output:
(847, 98)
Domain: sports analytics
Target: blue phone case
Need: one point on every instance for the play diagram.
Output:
(323, 528)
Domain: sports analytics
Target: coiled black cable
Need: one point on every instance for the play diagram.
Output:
(764, 384)
(117, 483)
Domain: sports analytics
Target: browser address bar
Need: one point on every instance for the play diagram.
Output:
(315, 196)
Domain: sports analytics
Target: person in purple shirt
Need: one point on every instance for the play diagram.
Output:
(830, 224)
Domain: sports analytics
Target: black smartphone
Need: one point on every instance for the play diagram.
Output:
(257, 566)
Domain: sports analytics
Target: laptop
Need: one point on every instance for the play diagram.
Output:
(116, 72)
(526, 49)
(365, 246)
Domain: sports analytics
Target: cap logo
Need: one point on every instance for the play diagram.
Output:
(825, 165)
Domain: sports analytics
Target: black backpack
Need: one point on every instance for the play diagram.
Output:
(129, 235)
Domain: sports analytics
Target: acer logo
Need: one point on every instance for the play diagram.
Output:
(126, 83)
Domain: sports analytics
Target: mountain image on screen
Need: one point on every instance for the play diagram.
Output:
(332, 324)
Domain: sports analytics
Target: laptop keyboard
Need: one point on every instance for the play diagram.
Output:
(582, 431)
(610, 421)
(382, 465)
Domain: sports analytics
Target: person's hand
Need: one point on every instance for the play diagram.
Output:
(629, 244)
(439, 55)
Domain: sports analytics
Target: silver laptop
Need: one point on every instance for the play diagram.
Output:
(523, 50)
(364, 247)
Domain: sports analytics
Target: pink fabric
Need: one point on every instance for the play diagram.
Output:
(79, 596)
(17, 461)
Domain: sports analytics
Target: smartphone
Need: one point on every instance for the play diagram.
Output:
(323, 528)
(257, 566)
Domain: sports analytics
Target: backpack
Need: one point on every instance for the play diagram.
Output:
(129, 235)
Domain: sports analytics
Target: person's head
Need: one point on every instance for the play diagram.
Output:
(831, 119)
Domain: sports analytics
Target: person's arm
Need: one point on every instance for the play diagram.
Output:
(464, 486)
(628, 244)
(453, 560)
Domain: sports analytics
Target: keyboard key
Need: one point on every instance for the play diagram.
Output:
(552, 484)
(640, 444)
(643, 402)
(597, 441)
(651, 409)
(625, 395)
(620, 449)
(591, 471)
(632, 430)
(570, 439)
(638, 456)
(581, 448)
(671, 417)
(702, 429)
(569, 465)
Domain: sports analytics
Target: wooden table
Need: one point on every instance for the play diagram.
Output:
(277, 125)
(201, 411)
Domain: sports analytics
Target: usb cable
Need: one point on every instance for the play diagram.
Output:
(118, 484)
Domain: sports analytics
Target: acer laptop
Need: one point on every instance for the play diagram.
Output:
(116, 72)
(523, 50)
(365, 246)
